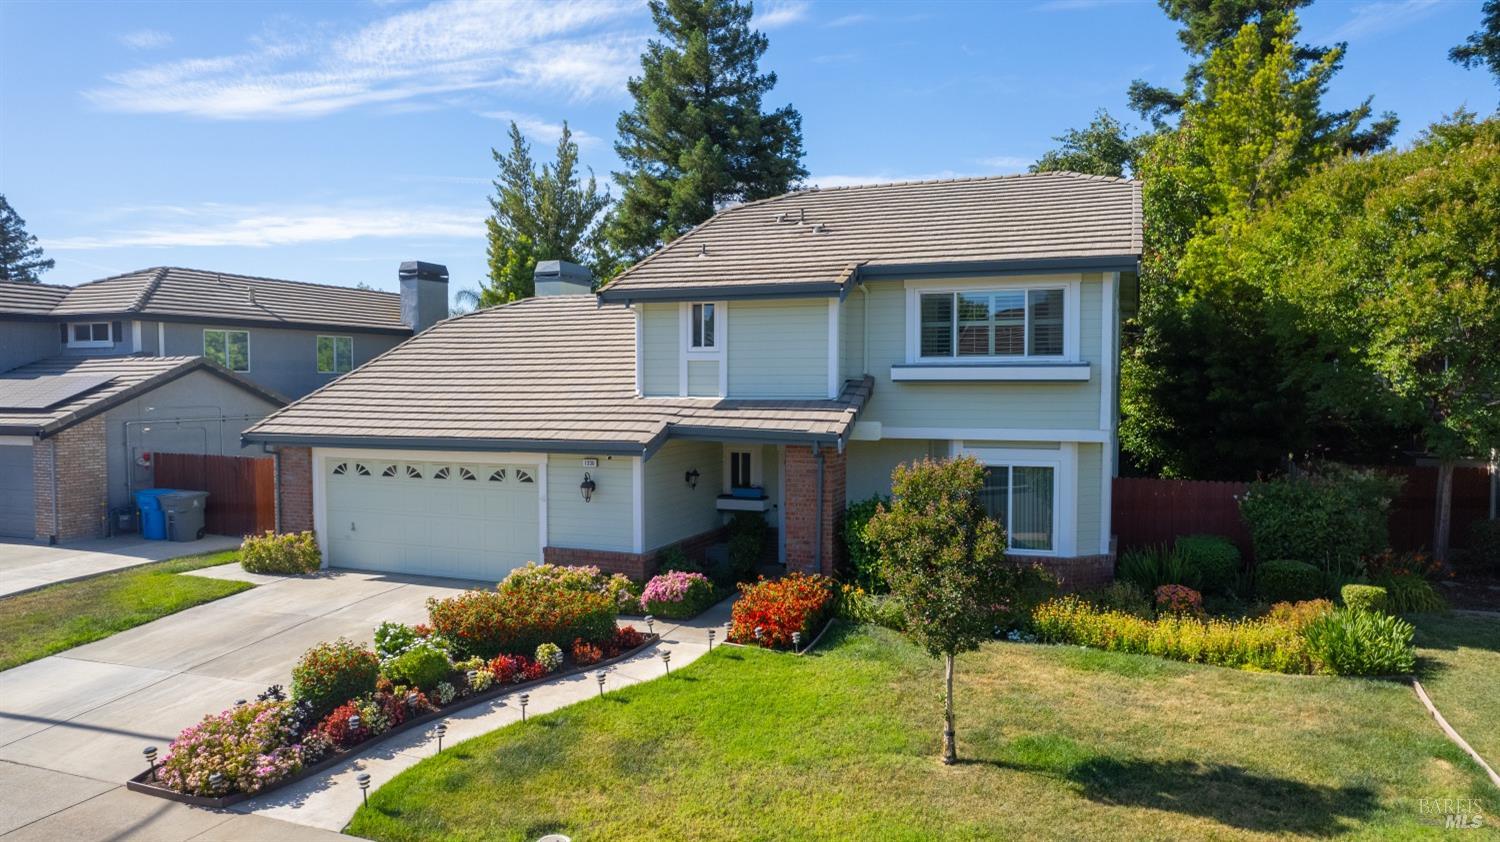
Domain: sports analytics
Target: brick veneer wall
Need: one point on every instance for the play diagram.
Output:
(294, 482)
(1077, 573)
(638, 566)
(82, 482)
(800, 472)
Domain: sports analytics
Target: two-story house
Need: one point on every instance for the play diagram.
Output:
(782, 357)
(95, 378)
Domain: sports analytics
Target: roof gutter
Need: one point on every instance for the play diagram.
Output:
(1026, 266)
(390, 330)
(477, 445)
(721, 292)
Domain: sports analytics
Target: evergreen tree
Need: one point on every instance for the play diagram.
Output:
(546, 214)
(696, 139)
(1483, 47)
(21, 258)
(1104, 148)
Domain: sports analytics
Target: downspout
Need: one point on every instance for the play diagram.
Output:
(818, 526)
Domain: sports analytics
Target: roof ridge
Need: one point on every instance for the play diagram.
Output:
(239, 276)
(148, 290)
(962, 179)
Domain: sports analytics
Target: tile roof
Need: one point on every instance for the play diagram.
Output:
(127, 377)
(173, 293)
(549, 373)
(820, 238)
(30, 299)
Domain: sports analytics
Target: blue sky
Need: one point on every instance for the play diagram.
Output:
(330, 141)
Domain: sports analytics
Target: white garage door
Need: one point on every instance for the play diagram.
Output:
(459, 519)
(17, 517)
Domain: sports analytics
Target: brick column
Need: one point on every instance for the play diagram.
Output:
(294, 480)
(800, 471)
(82, 475)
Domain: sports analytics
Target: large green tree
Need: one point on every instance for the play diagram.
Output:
(697, 138)
(550, 213)
(1105, 147)
(21, 258)
(1482, 49)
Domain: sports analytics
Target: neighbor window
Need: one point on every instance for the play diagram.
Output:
(335, 354)
(229, 348)
(89, 334)
(992, 323)
(739, 469)
(1021, 498)
(703, 327)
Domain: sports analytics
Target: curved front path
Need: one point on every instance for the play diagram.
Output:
(328, 801)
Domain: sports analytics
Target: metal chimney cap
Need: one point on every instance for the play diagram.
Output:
(562, 270)
(422, 270)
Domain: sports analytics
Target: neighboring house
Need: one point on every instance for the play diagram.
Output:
(75, 433)
(198, 356)
(783, 358)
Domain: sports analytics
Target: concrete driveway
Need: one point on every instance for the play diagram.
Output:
(26, 566)
(72, 726)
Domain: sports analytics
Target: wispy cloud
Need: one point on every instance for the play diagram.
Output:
(1373, 18)
(1082, 5)
(1006, 163)
(145, 39)
(849, 20)
(539, 129)
(776, 13)
(258, 226)
(579, 50)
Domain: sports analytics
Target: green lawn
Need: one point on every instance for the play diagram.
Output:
(1459, 665)
(39, 623)
(1057, 743)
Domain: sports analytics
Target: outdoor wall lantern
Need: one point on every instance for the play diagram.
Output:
(692, 478)
(586, 488)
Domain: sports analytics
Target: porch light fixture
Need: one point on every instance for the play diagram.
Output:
(150, 752)
(363, 778)
(586, 488)
(692, 478)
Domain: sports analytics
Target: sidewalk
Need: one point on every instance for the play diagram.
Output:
(26, 566)
(328, 801)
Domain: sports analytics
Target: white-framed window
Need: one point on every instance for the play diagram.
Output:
(1024, 499)
(1018, 323)
(335, 354)
(739, 469)
(229, 348)
(89, 335)
(702, 327)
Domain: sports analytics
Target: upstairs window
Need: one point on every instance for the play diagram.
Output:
(704, 337)
(335, 354)
(229, 348)
(1013, 323)
(739, 469)
(90, 335)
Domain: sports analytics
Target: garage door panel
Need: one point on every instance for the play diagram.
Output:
(17, 503)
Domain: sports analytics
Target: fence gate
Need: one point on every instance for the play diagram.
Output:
(241, 489)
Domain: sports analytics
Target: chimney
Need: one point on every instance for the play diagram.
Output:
(424, 294)
(559, 277)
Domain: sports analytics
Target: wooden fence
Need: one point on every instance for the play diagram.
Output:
(1149, 511)
(241, 490)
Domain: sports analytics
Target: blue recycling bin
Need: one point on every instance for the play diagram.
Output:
(153, 518)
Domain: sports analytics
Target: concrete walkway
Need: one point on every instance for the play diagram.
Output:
(25, 566)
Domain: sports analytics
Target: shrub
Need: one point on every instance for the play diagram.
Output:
(517, 620)
(1214, 562)
(550, 656)
(445, 693)
(857, 605)
(1299, 614)
(1331, 517)
(251, 745)
(1410, 594)
(1364, 598)
(1122, 597)
(678, 594)
(508, 669)
(1346, 641)
(422, 665)
(863, 555)
(1483, 554)
(1389, 562)
(797, 602)
(1148, 568)
(338, 728)
(585, 653)
(1287, 581)
(1179, 599)
(391, 639)
(747, 541)
(290, 552)
(673, 559)
(1024, 588)
(330, 674)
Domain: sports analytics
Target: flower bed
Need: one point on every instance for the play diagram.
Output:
(678, 595)
(797, 603)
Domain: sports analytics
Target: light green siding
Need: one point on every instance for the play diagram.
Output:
(703, 378)
(660, 338)
(605, 523)
(778, 349)
(869, 463)
(1020, 405)
(1090, 498)
(852, 336)
(674, 510)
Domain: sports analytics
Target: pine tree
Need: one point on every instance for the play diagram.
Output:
(697, 139)
(1104, 148)
(546, 214)
(1482, 49)
(21, 258)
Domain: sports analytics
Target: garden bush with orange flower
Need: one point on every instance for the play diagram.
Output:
(517, 621)
(797, 602)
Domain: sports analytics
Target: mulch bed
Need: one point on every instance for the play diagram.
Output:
(1472, 592)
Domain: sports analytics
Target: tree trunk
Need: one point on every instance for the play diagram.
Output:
(950, 749)
(1444, 516)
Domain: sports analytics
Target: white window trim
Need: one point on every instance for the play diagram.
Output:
(108, 342)
(226, 331)
(833, 348)
(686, 352)
(335, 337)
(640, 349)
(1070, 285)
(1064, 463)
(757, 477)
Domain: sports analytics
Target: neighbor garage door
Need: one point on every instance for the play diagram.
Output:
(17, 506)
(459, 519)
